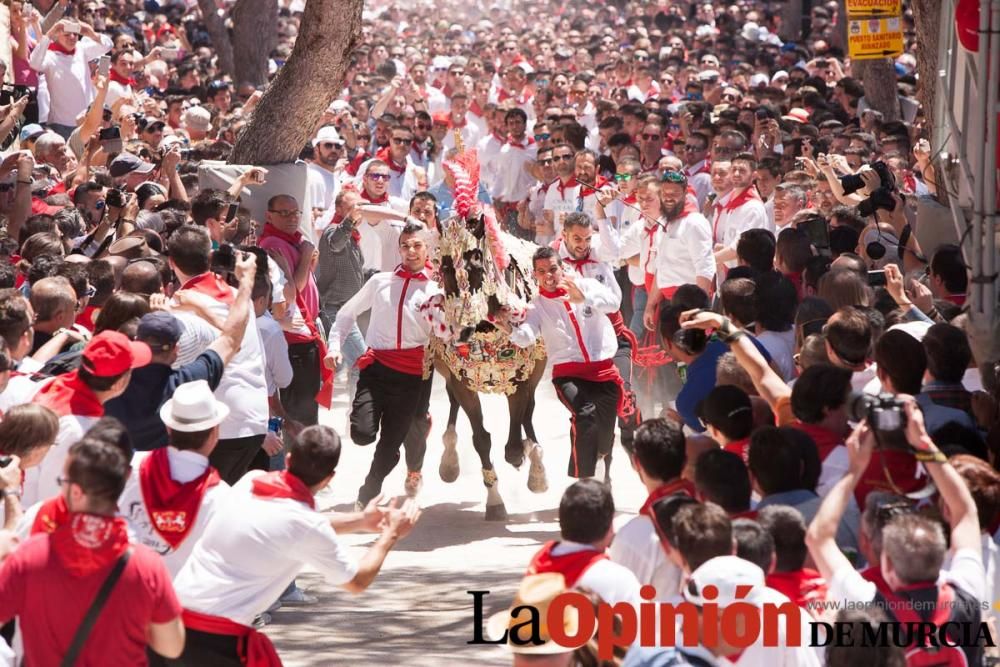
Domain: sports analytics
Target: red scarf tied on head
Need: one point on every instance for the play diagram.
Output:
(88, 543)
(172, 506)
(283, 484)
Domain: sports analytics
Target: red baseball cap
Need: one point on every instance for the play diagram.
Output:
(441, 118)
(111, 353)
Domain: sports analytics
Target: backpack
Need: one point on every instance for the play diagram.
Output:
(928, 656)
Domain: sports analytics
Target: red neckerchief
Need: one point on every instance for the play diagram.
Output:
(741, 448)
(516, 144)
(282, 484)
(501, 140)
(689, 208)
(118, 78)
(270, 230)
(68, 395)
(796, 278)
(211, 285)
(401, 272)
(874, 575)
(572, 565)
(578, 264)
(86, 318)
(804, 587)
(599, 182)
(571, 183)
(677, 487)
(172, 507)
(383, 154)
(825, 439)
(355, 234)
(59, 48)
(749, 194)
(381, 200)
(88, 543)
(629, 199)
(52, 513)
(957, 299)
(461, 126)
(557, 294)
(475, 109)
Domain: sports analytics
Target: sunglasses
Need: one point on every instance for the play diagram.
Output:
(543, 137)
(623, 177)
(329, 145)
(651, 137)
(401, 142)
(423, 126)
(378, 177)
(640, 59)
(695, 149)
(564, 158)
(671, 176)
(544, 163)
(509, 48)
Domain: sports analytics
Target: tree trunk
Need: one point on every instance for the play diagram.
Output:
(927, 20)
(255, 25)
(216, 28)
(287, 114)
(791, 20)
(879, 79)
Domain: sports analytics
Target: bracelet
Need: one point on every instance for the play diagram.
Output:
(936, 456)
(10, 492)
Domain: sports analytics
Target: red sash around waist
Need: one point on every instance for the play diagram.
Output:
(409, 361)
(593, 371)
(255, 649)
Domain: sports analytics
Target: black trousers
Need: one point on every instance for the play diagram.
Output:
(623, 362)
(593, 407)
(385, 405)
(299, 397)
(201, 649)
(415, 442)
(232, 456)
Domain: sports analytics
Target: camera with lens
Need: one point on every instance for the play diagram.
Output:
(115, 198)
(881, 198)
(885, 414)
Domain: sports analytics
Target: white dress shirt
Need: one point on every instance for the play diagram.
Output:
(488, 151)
(700, 181)
(68, 76)
(396, 320)
(252, 549)
(573, 332)
(594, 267)
(685, 252)
(637, 547)
(730, 223)
(184, 467)
(561, 201)
(513, 180)
(640, 237)
(277, 367)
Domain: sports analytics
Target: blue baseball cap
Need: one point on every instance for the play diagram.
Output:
(159, 329)
(31, 131)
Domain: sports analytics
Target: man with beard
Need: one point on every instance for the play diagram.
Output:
(684, 255)
(570, 314)
(737, 212)
(513, 179)
(560, 199)
(322, 176)
(697, 167)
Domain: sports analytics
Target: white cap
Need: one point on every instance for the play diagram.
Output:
(727, 574)
(440, 62)
(327, 133)
(708, 74)
(780, 74)
(758, 80)
(337, 106)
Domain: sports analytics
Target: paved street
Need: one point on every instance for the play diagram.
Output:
(418, 612)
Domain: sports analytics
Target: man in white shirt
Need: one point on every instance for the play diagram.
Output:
(63, 55)
(570, 314)
(392, 369)
(322, 176)
(120, 81)
(684, 255)
(659, 458)
(562, 195)
(789, 199)
(697, 167)
(741, 210)
(244, 560)
(174, 491)
(513, 180)
(586, 526)
(243, 387)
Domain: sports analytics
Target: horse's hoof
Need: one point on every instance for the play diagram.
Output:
(448, 469)
(537, 482)
(514, 456)
(496, 512)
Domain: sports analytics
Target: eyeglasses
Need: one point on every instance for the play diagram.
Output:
(399, 141)
(378, 177)
(651, 137)
(564, 158)
(60, 480)
(456, 72)
(623, 177)
(689, 148)
(284, 214)
(671, 176)
(543, 137)
(545, 163)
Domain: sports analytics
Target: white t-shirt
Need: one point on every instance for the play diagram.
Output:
(637, 547)
(184, 467)
(252, 549)
(613, 582)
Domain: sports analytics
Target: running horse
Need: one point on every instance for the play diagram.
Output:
(484, 271)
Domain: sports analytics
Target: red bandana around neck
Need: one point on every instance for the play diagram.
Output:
(572, 565)
(599, 182)
(383, 154)
(211, 285)
(676, 487)
(68, 395)
(368, 198)
(52, 513)
(749, 194)
(59, 48)
(578, 264)
(529, 141)
(270, 230)
(563, 187)
(172, 506)
(88, 543)
(118, 78)
(282, 484)
(556, 294)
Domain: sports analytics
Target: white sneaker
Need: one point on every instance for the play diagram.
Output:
(298, 598)
(262, 620)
